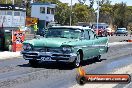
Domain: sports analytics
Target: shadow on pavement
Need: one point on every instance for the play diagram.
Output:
(60, 66)
(91, 61)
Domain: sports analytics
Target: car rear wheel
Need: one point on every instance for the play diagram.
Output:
(33, 63)
(77, 61)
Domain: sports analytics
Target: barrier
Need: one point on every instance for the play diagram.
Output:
(130, 40)
(17, 40)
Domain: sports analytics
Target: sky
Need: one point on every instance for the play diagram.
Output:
(128, 2)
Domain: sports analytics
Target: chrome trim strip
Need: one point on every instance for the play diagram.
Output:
(71, 56)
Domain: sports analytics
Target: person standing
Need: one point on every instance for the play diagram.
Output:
(35, 28)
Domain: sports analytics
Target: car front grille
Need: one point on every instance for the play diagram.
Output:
(48, 49)
(61, 55)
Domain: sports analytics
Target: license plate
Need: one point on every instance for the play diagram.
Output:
(46, 58)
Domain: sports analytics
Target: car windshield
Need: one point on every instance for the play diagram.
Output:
(99, 27)
(121, 29)
(64, 33)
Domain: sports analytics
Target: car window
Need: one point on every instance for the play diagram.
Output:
(86, 35)
(121, 29)
(64, 33)
(91, 35)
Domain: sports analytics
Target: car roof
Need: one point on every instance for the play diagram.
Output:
(74, 27)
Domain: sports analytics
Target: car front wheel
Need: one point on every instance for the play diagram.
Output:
(77, 61)
(33, 63)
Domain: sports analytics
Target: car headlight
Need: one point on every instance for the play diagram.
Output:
(27, 47)
(67, 49)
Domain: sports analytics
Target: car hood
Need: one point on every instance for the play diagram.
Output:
(121, 30)
(50, 42)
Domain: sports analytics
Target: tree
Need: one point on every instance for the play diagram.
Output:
(51, 1)
(120, 10)
(102, 2)
(119, 14)
(129, 16)
(106, 13)
(83, 13)
(62, 13)
(4, 1)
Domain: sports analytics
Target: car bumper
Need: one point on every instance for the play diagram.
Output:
(110, 32)
(44, 56)
(121, 33)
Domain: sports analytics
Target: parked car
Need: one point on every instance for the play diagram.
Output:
(101, 32)
(121, 31)
(100, 29)
(110, 32)
(69, 44)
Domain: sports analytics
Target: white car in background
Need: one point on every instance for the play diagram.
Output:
(110, 32)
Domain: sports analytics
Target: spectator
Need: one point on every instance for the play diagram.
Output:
(35, 28)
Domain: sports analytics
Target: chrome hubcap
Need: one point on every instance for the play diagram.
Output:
(78, 60)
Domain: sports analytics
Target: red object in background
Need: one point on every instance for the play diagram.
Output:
(96, 31)
(17, 40)
(101, 32)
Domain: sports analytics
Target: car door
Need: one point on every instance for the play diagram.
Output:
(100, 44)
(95, 43)
(103, 44)
(88, 45)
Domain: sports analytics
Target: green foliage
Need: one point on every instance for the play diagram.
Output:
(62, 13)
(120, 11)
(106, 13)
(102, 2)
(119, 14)
(51, 1)
(129, 14)
(79, 13)
(4, 1)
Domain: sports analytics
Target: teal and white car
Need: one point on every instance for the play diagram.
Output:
(69, 44)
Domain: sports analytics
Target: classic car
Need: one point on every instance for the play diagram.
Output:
(101, 32)
(68, 44)
(100, 29)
